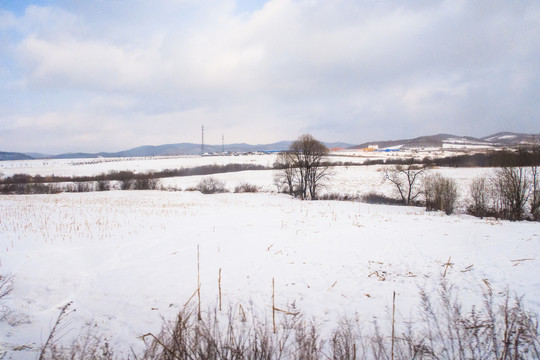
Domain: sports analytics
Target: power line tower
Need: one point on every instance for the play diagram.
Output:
(202, 140)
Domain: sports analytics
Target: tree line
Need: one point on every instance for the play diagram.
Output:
(127, 180)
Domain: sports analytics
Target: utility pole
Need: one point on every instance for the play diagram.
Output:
(202, 140)
(222, 144)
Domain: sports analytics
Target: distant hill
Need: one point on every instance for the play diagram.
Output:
(195, 149)
(508, 138)
(449, 140)
(433, 141)
(4, 156)
(165, 150)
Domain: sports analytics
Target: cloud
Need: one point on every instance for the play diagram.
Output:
(343, 70)
(86, 64)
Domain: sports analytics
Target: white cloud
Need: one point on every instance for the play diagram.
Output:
(96, 65)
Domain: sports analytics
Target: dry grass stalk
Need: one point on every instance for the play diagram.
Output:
(273, 307)
(501, 329)
(393, 321)
(191, 297)
(242, 312)
(219, 288)
(527, 259)
(286, 312)
(143, 338)
(334, 284)
(50, 340)
(448, 264)
(199, 317)
(488, 284)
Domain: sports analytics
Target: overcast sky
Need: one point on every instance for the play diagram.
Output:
(108, 75)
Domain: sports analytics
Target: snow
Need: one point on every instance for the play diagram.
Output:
(351, 180)
(471, 146)
(501, 137)
(96, 166)
(127, 259)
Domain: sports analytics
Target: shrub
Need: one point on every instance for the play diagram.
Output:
(83, 187)
(146, 183)
(40, 189)
(12, 189)
(377, 198)
(125, 179)
(339, 197)
(246, 188)
(512, 188)
(103, 185)
(479, 193)
(441, 193)
(211, 185)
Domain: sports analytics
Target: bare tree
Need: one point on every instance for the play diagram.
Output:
(285, 178)
(303, 167)
(480, 195)
(407, 180)
(512, 190)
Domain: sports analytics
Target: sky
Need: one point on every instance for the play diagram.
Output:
(109, 75)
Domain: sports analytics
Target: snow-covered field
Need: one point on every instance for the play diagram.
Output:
(89, 167)
(126, 259)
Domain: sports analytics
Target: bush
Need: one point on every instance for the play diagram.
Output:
(479, 193)
(103, 185)
(38, 189)
(146, 184)
(211, 185)
(441, 193)
(512, 188)
(13, 189)
(246, 188)
(83, 187)
(380, 199)
(338, 197)
(125, 179)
